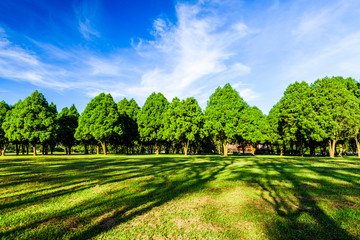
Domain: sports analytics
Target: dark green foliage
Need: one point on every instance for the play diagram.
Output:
(318, 115)
(14, 123)
(67, 123)
(128, 111)
(335, 106)
(297, 116)
(274, 133)
(32, 120)
(100, 121)
(4, 108)
(183, 122)
(307, 118)
(223, 113)
(150, 120)
(254, 127)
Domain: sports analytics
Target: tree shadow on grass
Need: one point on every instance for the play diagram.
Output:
(291, 203)
(101, 213)
(143, 183)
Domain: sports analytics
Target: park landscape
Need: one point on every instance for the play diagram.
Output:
(180, 119)
(166, 172)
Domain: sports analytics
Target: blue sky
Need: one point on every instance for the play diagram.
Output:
(73, 50)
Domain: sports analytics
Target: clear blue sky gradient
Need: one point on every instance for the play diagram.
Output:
(73, 50)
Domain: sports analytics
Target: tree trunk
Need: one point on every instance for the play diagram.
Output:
(86, 149)
(97, 149)
(157, 149)
(332, 148)
(281, 151)
(27, 149)
(34, 149)
(225, 146)
(219, 148)
(3, 150)
(340, 150)
(357, 146)
(301, 148)
(312, 148)
(70, 150)
(17, 149)
(103, 144)
(252, 149)
(186, 147)
(44, 149)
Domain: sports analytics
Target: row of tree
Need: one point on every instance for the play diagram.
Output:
(307, 118)
(319, 115)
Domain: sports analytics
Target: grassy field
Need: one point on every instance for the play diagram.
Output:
(176, 197)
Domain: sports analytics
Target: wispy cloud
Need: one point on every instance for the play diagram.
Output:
(23, 65)
(187, 54)
(87, 30)
(85, 13)
(209, 44)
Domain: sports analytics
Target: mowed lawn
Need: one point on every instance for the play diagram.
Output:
(177, 197)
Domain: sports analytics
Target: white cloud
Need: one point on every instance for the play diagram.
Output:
(87, 30)
(186, 55)
(188, 58)
(205, 47)
(23, 65)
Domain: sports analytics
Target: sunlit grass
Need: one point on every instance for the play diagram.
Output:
(154, 197)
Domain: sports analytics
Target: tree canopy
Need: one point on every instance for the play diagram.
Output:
(222, 115)
(150, 120)
(67, 124)
(129, 111)
(308, 119)
(100, 120)
(183, 122)
(4, 108)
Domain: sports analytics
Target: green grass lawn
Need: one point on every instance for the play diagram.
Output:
(177, 197)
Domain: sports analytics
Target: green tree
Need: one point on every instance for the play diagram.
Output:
(128, 111)
(275, 134)
(170, 122)
(298, 118)
(222, 115)
(183, 122)
(4, 108)
(13, 125)
(150, 120)
(31, 120)
(354, 122)
(52, 141)
(335, 106)
(39, 119)
(68, 123)
(254, 127)
(100, 120)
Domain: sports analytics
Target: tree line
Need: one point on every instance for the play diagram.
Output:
(319, 118)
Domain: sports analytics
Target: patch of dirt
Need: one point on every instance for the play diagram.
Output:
(73, 224)
(107, 220)
(196, 223)
(49, 221)
(245, 225)
(8, 191)
(217, 189)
